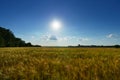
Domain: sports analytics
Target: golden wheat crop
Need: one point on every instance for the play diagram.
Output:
(59, 64)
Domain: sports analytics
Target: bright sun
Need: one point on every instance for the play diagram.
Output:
(56, 25)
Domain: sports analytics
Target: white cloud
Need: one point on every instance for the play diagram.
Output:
(112, 36)
(63, 38)
(48, 38)
(32, 37)
(83, 39)
(44, 37)
(109, 36)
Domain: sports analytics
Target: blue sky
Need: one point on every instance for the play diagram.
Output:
(84, 22)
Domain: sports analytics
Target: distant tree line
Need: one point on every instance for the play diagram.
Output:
(8, 39)
(92, 46)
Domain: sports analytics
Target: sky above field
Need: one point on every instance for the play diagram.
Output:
(85, 22)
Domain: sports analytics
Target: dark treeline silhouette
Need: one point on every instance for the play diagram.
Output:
(8, 39)
(93, 46)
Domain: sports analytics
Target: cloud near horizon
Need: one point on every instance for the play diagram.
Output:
(84, 39)
(112, 36)
(60, 39)
(48, 38)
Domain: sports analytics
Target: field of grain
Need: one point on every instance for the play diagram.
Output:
(59, 64)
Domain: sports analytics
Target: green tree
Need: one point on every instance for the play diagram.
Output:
(2, 44)
(28, 44)
(7, 39)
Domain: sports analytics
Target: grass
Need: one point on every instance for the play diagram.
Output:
(59, 64)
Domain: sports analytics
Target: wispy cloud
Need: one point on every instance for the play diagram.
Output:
(52, 39)
(83, 39)
(69, 38)
(32, 37)
(112, 36)
(63, 38)
(44, 37)
(48, 38)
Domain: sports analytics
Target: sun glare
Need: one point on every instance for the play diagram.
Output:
(56, 25)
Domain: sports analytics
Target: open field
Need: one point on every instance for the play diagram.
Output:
(59, 64)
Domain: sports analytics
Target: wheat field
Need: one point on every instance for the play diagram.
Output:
(59, 63)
